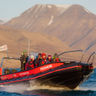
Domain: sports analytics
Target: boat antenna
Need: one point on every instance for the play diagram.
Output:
(28, 47)
(70, 52)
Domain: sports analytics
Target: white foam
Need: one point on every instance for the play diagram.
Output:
(37, 86)
(87, 88)
(18, 88)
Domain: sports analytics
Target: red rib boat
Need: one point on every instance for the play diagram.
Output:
(64, 74)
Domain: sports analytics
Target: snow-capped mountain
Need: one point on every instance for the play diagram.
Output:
(72, 24)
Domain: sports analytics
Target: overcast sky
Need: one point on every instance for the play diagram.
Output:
(12, 8)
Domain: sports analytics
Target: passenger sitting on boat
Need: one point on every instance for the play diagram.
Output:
(23, 59)
(56, 58)
(38, 60)
(49, 59)
(30, 63)
(44, 61)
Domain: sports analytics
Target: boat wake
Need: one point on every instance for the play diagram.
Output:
(18, 88)
(32, 87)
(38, 86)
(87, 89)
(29, 86)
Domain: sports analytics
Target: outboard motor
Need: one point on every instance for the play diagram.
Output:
(0, 71)
(87, 68)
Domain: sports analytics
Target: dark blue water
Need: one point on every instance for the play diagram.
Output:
(88, 88)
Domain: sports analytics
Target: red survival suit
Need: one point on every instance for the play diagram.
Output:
(44, 61)
(29, 65)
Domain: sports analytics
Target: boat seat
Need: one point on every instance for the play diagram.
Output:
(13, 71)
(7, 71)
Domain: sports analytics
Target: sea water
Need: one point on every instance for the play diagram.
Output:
(88, 88)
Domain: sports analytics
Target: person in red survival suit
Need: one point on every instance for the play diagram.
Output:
(38, 60)
(44, 61)
(56, 58)
(49, 59)
(30, 64)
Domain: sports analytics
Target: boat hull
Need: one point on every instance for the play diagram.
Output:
(66, 75)
(70, 78)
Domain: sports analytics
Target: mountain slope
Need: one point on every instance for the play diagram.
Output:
(37, 17)
(17, 41)
(72, 24)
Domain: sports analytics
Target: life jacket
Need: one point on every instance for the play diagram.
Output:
(29, 65)
(57, 60)
(49, 60)
(32, 66)
(44, 61)
(26, 66)
(44, 58)
(37, 62)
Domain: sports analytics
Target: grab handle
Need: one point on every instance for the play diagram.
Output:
(90, 57)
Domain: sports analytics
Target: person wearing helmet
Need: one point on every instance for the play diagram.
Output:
(56, 58)
(30, 64)
(49, 59)
(23, 59)
(38, 60)
(44, 61)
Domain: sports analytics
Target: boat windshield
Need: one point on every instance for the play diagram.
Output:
(10, 65)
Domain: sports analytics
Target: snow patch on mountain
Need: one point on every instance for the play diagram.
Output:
(49, 6)
(51, 20)
(62, 8)
(87, 10)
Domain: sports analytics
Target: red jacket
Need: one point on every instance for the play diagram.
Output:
(29, 65)
(57, 60)
(44, 61)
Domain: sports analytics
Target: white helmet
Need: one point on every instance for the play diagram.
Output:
(32, 56)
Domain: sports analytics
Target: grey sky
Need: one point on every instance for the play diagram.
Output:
(12, 8)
